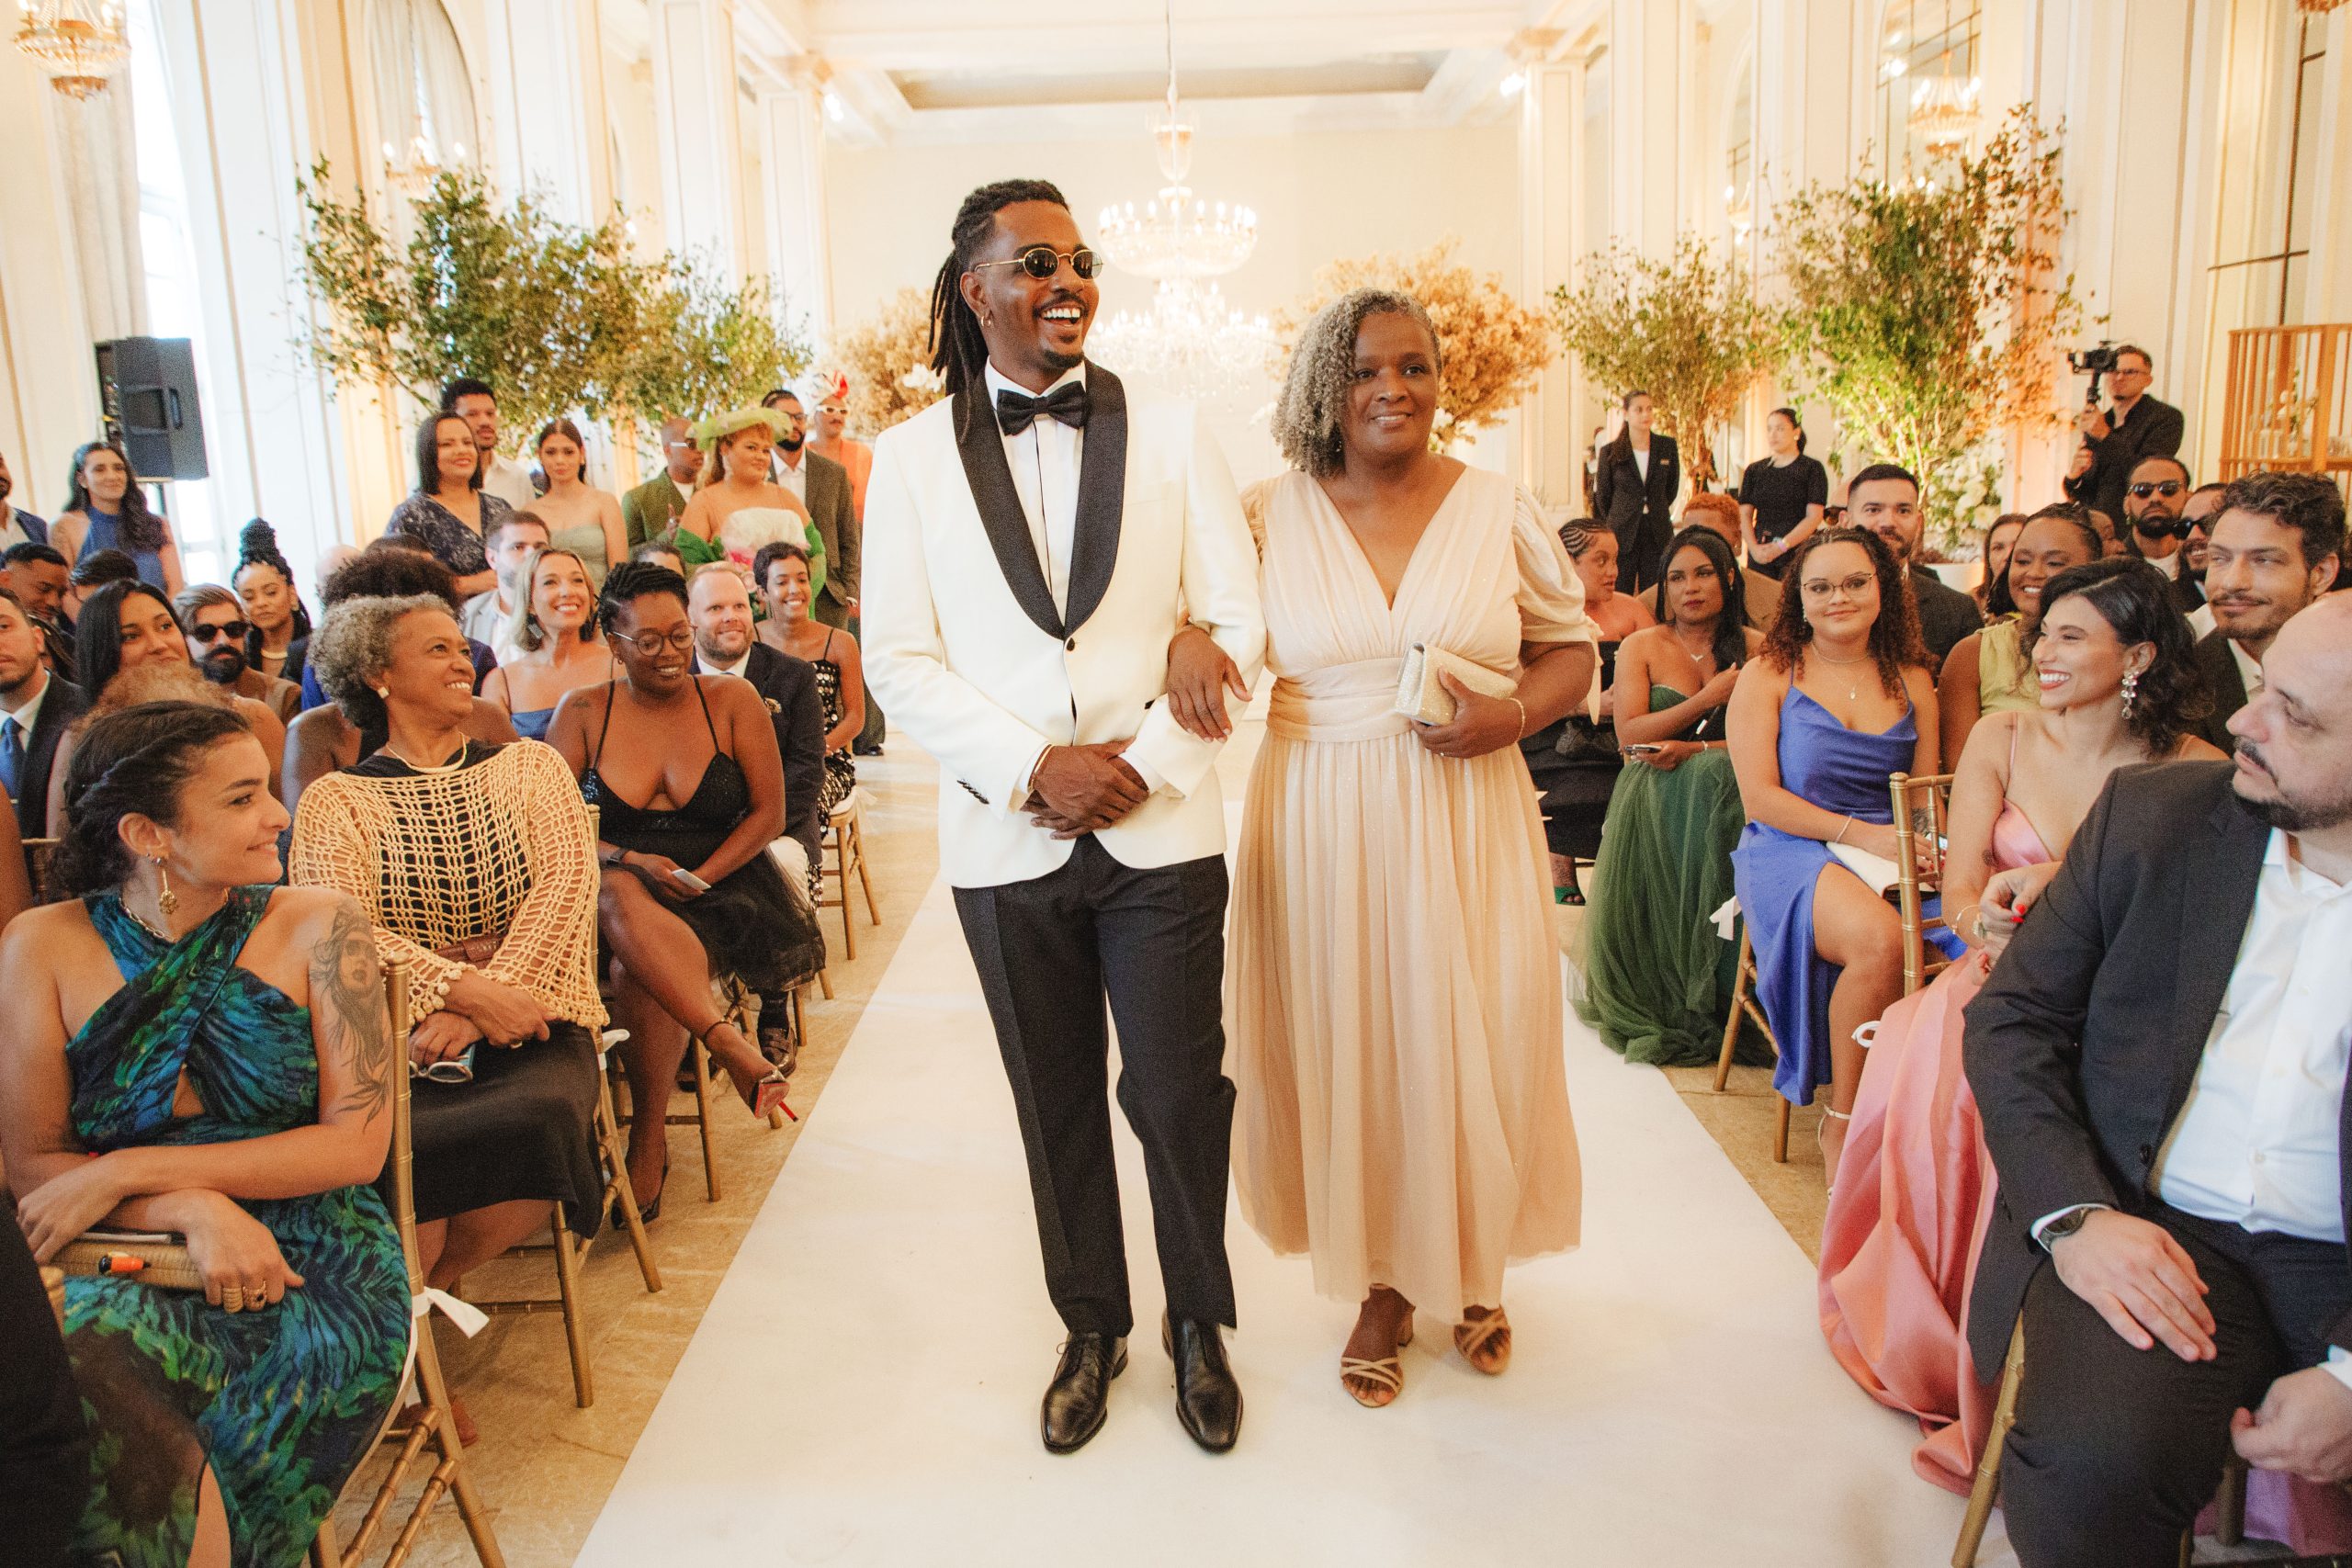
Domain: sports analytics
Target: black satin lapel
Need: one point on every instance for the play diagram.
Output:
(1101, 494)
(985, 470)
(2213, 927)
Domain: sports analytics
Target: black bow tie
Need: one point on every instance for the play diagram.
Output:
(1016, 411)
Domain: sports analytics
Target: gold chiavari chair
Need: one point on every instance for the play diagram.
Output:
(1922, 812)
(844, 835)
(428, 1422)
(1744, 1005)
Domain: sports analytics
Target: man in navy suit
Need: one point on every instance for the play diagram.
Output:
(36, 710)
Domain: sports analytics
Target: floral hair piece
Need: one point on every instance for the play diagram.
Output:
(708, 433)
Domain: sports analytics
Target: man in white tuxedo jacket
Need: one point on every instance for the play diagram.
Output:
(1034, 542)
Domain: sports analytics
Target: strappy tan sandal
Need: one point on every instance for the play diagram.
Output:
(1471, 1338)
(1821, 1142)
(1385, 1373)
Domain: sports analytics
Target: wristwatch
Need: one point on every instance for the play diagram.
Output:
(2066, 1224)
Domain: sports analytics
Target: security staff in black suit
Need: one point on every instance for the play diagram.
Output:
(2159, 1063)
(36, 710)
(1633, 488)
(2135, 426)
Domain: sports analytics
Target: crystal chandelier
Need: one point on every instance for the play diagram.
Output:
(78, 43)
(412, 174)
(1177, 234)
(1943, 109)
(1190, 343)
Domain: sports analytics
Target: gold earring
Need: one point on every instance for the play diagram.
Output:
(165, 899)
(384, 692)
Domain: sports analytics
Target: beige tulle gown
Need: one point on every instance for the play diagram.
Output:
(1395, 985)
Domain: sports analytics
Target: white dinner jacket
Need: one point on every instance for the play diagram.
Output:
(966, 649)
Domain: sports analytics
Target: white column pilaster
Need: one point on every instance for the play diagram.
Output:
(549, 133)
(1551, 117)
(697, 120)
(792, 154)
(1651, 49)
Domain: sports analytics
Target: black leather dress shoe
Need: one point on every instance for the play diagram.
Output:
(1207, 1399)
(1079, 1396)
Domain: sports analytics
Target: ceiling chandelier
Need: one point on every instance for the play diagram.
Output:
(77, 43)
(412, 174)
(1943, 107)
(1190, 343)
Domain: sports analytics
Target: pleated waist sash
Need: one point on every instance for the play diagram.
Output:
(1339, 702)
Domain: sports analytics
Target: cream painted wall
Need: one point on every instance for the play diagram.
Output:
(1320, 198)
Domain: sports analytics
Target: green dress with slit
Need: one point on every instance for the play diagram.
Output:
(283, 1403)
(1658, 975)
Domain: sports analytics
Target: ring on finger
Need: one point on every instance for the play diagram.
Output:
(233, 1297)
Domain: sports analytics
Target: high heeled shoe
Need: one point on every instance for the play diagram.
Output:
(1472, 1336)
(646, 1212)
(1385, 1373)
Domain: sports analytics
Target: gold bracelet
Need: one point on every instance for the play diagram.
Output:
(1522, 716)
(1842, 830)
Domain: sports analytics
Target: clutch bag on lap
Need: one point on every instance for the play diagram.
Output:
(476, 951)
(162, 1253)
(1421, 698)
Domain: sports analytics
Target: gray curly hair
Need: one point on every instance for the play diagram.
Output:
(1315, 390)
(353, 647)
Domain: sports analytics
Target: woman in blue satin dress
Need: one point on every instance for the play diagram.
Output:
(1839, 697)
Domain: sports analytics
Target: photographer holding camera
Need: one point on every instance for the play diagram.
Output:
(2153, 502)
(2136, 427)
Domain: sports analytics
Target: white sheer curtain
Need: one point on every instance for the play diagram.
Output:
(98, 153)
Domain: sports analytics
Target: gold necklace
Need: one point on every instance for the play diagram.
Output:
(1854, 687)
(451, 766)
(164, 937)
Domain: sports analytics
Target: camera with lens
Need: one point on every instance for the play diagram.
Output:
(2093, 362)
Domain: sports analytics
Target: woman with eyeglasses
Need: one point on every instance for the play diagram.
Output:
(684, 771)
(1839, 697)
(1988, 671)
(470, 863)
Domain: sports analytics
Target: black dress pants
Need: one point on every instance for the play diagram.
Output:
(1049, 951)
(2116, 1450)
(1641, 551)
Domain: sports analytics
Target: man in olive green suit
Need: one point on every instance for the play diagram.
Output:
(653, 508)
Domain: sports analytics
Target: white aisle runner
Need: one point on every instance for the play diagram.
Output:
(864, 1389)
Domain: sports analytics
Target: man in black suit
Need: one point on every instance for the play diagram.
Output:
(38, 576)
(2158, 1062)
(36, 710)
(2135, 427)
(719, 607)
(2277, 545)
(2152, 504)
(1884, 498)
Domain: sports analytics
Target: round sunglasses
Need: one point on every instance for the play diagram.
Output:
(1040, 261)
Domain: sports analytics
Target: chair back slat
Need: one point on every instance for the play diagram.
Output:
(1922, 811)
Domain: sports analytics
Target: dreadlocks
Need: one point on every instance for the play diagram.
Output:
(958, 352)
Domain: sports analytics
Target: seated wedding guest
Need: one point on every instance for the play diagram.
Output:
(214, 620)
(393, 566)
(1780, 496)
(36, 708)
(94, 571)
(1884, 499)
(2118, 685)
(737, 510)
(1759, 594)
(2158, 1061)
(720, 608)
(1839, 697)
(1992, 589)
(1363, 1025)
(186, 1047)
(653, 508)
(684, 771)
(585, 520)
(2203, 505)
(38, 576)
(2276, 546)
(106, 509)
(471, 863)
(828, 437)
(1988, 671)
(130, 649)
(1575, 763)
(449, 513)
(552, 629)
(783, 570)
(660, 552)
(265, 582)
(44, 1437)
(1657, 976)
(18, 527)
(511, 544)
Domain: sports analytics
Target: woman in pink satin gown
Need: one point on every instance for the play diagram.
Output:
(1914, 1189)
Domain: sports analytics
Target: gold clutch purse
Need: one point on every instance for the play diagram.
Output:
(1422, 699)
(152, 1258)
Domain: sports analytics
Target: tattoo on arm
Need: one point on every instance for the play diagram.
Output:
(348, 997)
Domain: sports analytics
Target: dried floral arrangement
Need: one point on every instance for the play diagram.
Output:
(888, 360)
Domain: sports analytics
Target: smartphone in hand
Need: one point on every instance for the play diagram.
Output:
(691, 880)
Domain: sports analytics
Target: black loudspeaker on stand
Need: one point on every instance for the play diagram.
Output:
(147, 396)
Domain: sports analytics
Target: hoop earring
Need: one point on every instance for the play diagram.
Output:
(165, 899)
(2131, 690)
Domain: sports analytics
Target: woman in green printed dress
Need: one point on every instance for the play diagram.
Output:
(188, 1048)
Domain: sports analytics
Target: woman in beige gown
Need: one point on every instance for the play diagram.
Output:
(1395, 993)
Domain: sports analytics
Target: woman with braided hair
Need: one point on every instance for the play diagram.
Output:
(186, 1047)
(280, 632)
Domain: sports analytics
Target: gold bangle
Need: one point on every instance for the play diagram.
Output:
(1522, 716)
(1843, 828)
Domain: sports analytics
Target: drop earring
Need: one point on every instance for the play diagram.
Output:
(165, 899)
(2131, 690)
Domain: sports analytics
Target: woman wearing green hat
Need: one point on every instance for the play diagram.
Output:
(737, 510)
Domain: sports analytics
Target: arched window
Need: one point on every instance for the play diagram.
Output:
(1930, 77)
(425, 98)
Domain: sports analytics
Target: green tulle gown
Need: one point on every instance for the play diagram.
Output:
(1657, 976)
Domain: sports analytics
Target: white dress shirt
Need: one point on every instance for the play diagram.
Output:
(2249, 668)
(510, 481)
(791, 471)
(2169, 565)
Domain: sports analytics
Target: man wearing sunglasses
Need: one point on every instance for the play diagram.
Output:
(213, 620)
(2152, 503)
(2113, 443)
(1036, 540)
